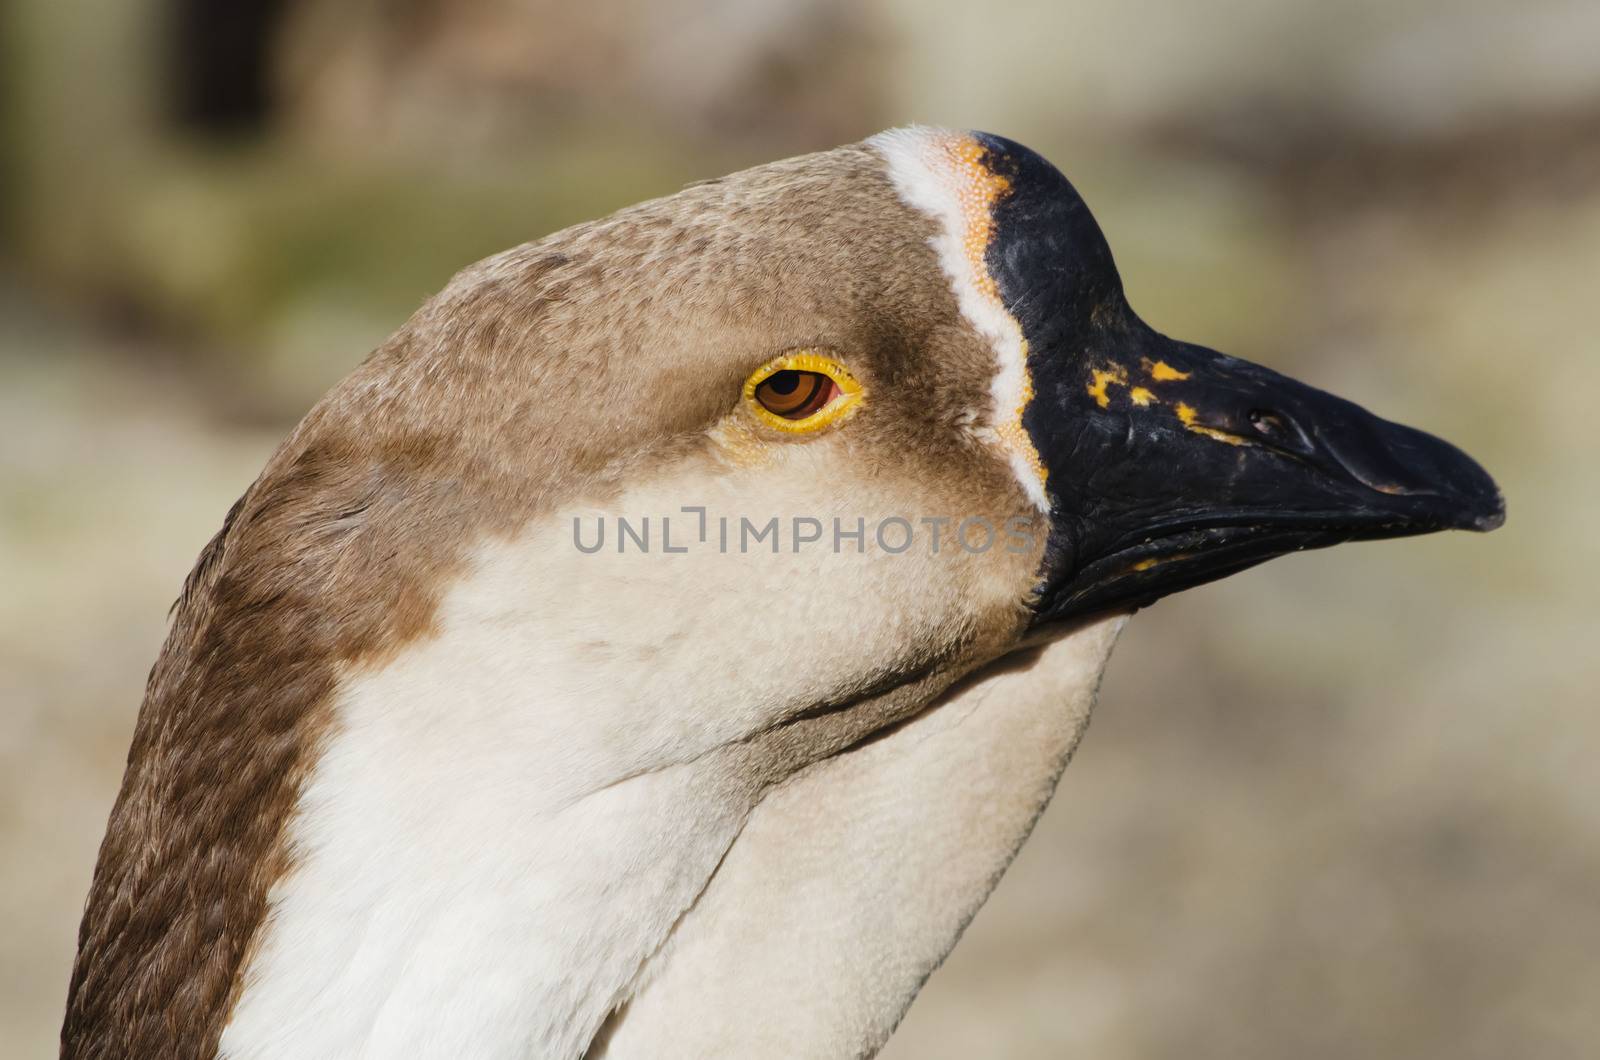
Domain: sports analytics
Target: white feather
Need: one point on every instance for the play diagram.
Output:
(921, 169)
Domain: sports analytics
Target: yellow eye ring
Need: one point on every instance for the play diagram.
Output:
(801, 392)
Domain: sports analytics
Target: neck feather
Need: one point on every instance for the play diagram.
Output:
(850, 884)
(493, 848)
(713, 916)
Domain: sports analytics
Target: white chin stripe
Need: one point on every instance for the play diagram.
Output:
(941, 173)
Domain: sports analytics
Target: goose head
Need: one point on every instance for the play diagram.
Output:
(661, 644)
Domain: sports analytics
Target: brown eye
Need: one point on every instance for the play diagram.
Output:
(802, 392)
(795, 394)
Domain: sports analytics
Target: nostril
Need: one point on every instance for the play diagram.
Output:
(1277, 430)
(1270, 425)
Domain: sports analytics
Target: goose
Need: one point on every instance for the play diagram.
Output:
(661, 645)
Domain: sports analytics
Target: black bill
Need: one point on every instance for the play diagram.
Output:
(1168, 464)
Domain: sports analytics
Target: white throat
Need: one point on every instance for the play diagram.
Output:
(850, 884)
(456, 894)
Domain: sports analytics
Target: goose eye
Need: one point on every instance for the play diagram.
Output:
(795, 395)
(801, 391)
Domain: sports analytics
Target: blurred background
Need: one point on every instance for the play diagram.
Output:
(1343, 805)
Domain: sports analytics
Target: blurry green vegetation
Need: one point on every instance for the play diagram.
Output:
(268, 255)
(10, 133)
(270, 260)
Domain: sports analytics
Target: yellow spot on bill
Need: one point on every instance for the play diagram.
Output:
(1152, 562)
(1187, 415)
(1103, 378)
